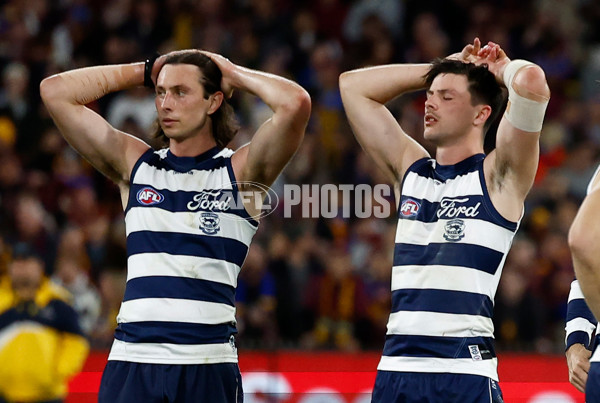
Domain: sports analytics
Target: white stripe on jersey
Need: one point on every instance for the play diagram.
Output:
(158, 220)
(175, 310)
(164, 264)
(419, 233)
(423, 323)
(575, 292)
(427, 188)
(451, 278)
(163, 353)
(486, 368)
(579, 325)
(192, 181)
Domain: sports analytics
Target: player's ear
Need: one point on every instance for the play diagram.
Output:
(483, 114)
(216, 99)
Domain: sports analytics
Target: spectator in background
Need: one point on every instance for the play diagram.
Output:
(111, 285)
(255, 300)
(136, 104)
(338, 300)
(43, 345)
(36, 227)
(519, 313)
(72, 272)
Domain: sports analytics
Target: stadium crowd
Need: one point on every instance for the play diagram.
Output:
(308, 282)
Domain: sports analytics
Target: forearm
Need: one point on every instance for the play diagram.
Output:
(82, 86)
(384, 83)
(583, 241)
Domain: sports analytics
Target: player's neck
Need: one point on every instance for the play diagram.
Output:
(454, 153)
(192, 146)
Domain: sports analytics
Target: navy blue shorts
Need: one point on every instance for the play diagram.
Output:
(413, 387)
(592, 386)
(128, 382)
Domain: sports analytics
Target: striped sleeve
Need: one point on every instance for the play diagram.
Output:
(580, 323)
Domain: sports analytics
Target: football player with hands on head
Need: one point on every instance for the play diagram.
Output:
(185, 246)
(463, 209)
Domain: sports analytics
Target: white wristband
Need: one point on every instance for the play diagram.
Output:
(523, 113)
(511, 69)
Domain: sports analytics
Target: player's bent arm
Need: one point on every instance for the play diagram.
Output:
(276, 141)
(583, 242)
(364, 95)
(517, 142)
(66, 95)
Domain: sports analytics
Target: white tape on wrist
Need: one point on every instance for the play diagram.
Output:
(523, 113)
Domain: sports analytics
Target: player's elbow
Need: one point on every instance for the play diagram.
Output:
(531, 83)
(298, 105)
(345, 82)
(583, 246)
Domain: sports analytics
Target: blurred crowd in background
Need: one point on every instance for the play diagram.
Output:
(308, 283)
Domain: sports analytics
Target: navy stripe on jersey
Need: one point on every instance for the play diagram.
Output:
(577, 308)
(448, 254)
(444, 301)
(184, 201)
(428, 211)
(179, 288)
(439, 347)
(174, 333)
(430, 168)
(230, 250)
(578, 337)
(170, 162)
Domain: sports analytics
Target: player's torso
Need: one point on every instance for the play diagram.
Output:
(449, 252)
(186, 242)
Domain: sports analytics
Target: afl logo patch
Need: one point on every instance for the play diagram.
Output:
(209, 223)
(148, 196)
(410, 208)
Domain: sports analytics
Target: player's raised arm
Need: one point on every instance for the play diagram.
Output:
(66, 95)
(511, 167)
(276, 141)
(364, 94)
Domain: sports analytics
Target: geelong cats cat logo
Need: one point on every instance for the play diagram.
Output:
(454, 230)
(209, 223)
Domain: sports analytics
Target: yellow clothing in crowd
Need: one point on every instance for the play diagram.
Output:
(41, 344)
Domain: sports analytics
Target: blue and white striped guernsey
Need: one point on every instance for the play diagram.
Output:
(451, 244)
(185, 247)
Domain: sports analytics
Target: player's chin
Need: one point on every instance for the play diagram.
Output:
(429, 134)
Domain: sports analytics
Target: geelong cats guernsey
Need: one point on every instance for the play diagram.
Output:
(450, 247)
(186, 243)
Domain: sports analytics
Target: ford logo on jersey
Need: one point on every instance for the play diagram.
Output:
(410, 208)
(148, 196)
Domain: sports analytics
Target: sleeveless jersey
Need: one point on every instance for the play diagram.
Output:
(186, 242)
(450, 247)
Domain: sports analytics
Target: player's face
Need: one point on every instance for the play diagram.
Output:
(448, 110)
(180, 103)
